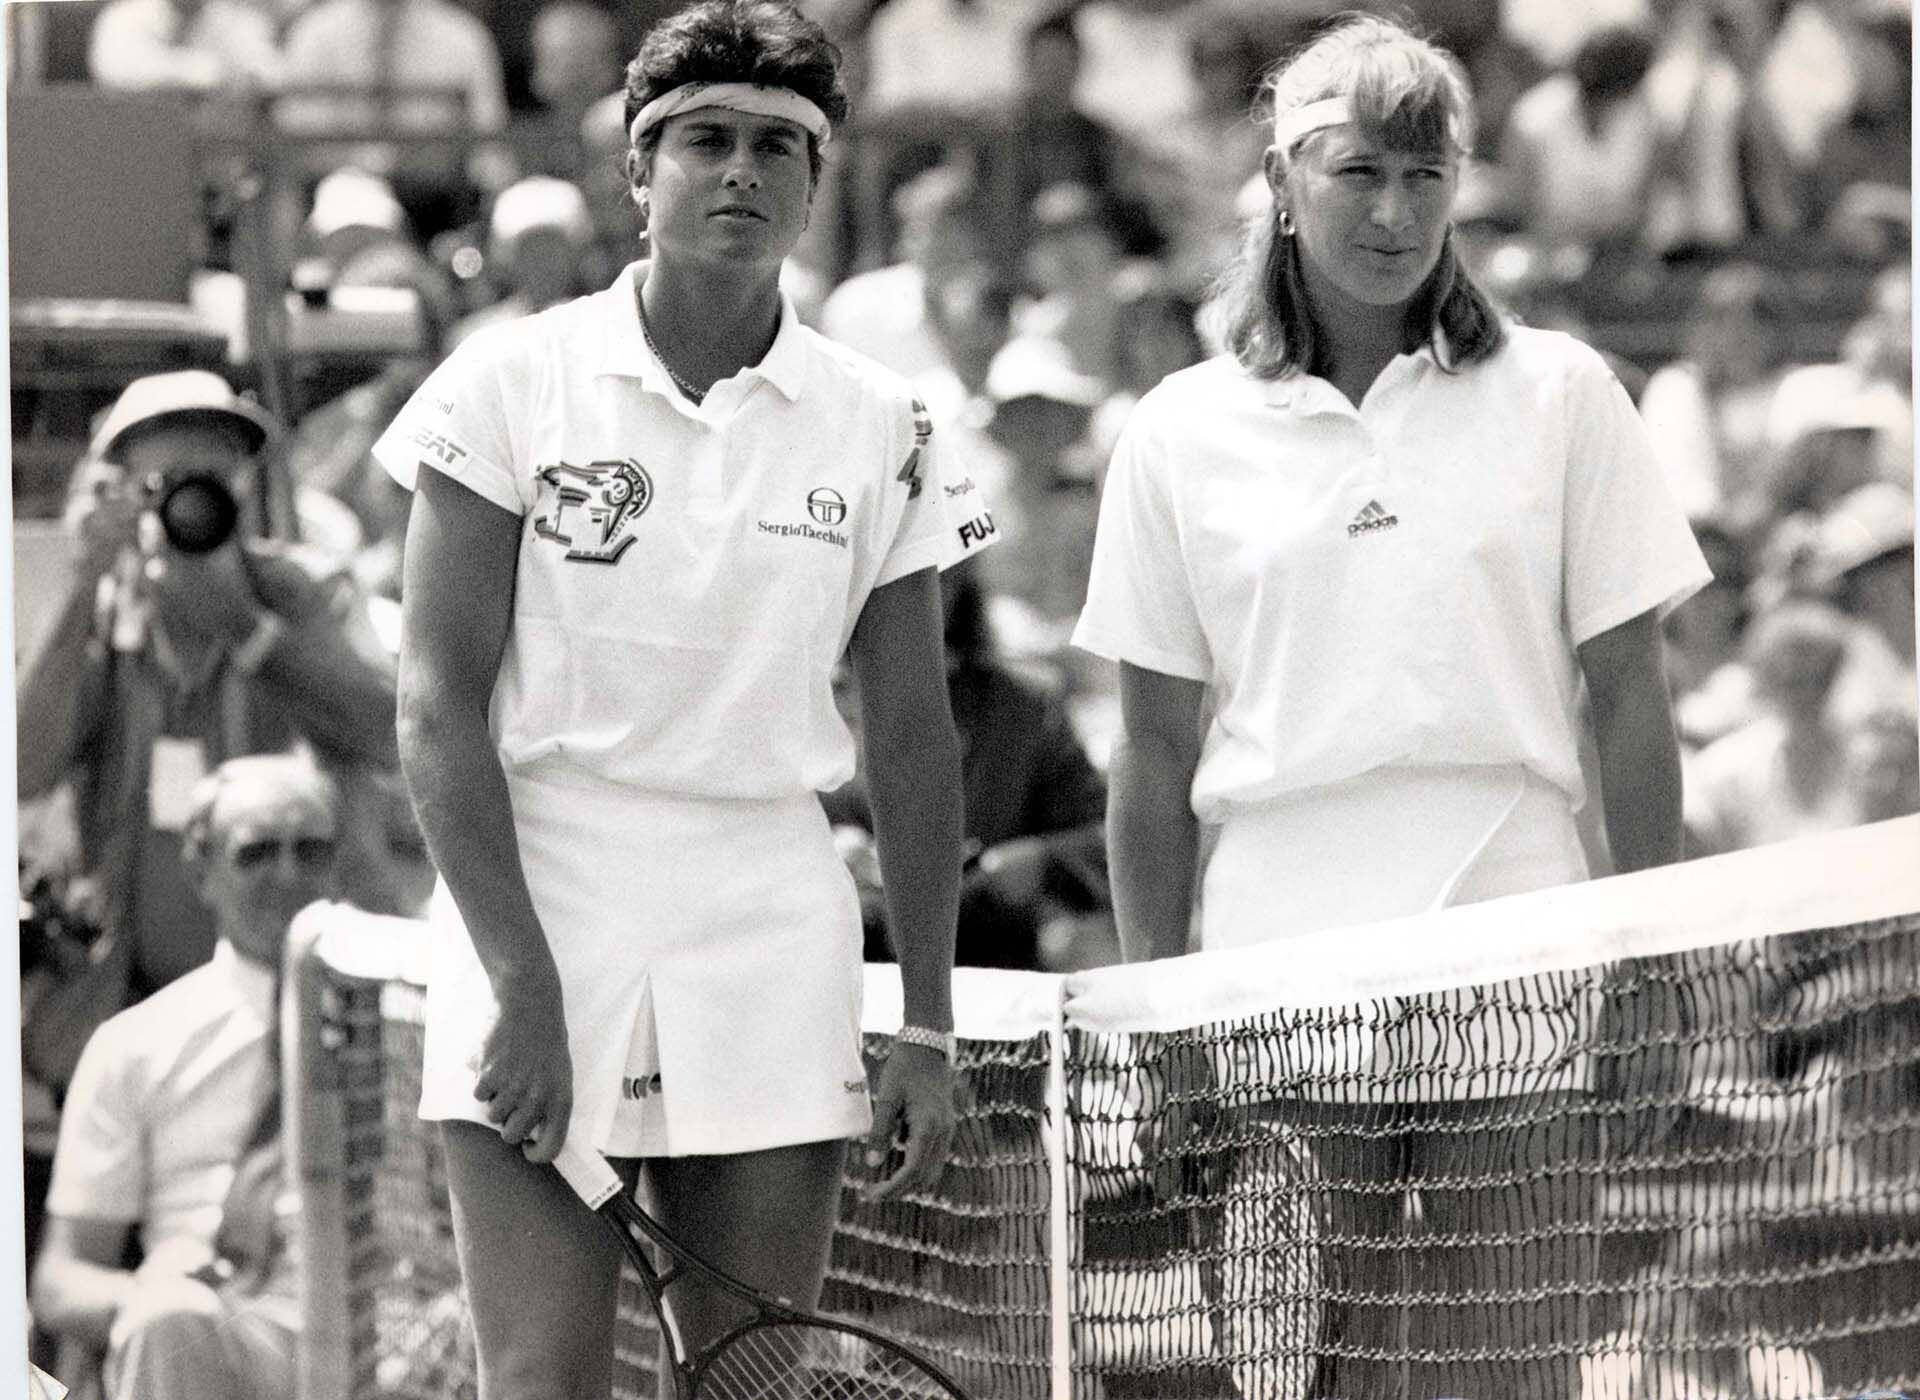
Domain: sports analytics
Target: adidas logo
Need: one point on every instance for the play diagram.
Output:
(1372, 516)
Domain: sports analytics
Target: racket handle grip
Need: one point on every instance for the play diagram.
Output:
(593, 1180)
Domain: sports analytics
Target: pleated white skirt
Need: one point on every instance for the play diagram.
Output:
(709, 958)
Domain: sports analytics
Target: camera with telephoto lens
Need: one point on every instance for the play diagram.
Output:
(197, 511)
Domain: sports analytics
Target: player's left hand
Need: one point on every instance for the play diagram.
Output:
(913, 1118)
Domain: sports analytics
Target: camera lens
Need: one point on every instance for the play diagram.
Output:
(198, 513)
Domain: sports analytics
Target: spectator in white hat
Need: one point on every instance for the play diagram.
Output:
(353, 210)
(1834, 449)
(1862, 559)
(1044, 504)
(537, 238)
(1869, 386)
(185, 638)
(1866, 549)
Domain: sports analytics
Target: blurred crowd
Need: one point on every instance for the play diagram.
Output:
(1023, 218)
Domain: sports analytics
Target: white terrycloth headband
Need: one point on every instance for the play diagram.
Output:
(761, 101)
(1298, 123)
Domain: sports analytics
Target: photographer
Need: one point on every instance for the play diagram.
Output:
(183, 639)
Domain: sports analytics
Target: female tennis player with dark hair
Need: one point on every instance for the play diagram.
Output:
(649, 521)
(1355, 573)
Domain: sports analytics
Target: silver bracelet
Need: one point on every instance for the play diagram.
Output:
(943, 1041)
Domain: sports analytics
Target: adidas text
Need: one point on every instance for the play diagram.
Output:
(1372, 517)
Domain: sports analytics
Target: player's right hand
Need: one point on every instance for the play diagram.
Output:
(525, 1071)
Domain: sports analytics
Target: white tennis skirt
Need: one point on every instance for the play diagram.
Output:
(1386, 844)
(709, 956)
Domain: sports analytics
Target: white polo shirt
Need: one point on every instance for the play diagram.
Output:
(1404, 583)
(162, 1102)
(688, 573)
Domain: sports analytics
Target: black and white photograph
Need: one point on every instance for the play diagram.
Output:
(963, 700)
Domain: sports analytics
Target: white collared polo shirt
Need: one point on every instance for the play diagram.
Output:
(1401, 583)
(688, 574)
(161, 1106)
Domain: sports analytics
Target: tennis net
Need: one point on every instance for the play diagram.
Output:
(1653, 1138)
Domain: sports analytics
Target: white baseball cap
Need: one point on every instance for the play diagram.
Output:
(181, 392)
(1831, 398)
(540, 201)
(351, 198)
(1039, 367)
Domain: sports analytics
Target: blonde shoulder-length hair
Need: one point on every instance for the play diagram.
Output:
(1410, 95)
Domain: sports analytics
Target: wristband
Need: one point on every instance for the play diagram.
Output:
(943, 1041)
(266, 634)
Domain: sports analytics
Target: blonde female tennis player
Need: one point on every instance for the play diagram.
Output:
(646, 523)
(1387, 538)
(1391, 534)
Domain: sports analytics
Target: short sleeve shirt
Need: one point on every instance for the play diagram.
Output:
(1401, 583)
(688, 574)
(161, 1106)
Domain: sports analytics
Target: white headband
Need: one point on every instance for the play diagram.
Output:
(1298, 123)
(759, 100)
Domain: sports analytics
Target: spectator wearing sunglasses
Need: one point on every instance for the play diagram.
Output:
(172, 1114)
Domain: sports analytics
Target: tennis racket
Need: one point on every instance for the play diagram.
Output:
(779, 1352)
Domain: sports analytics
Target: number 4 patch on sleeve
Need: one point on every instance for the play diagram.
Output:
(922, 431)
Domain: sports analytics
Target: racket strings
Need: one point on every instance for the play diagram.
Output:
(801, 1361)
(785, 1360)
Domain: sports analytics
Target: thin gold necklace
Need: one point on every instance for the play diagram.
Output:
(693, 394)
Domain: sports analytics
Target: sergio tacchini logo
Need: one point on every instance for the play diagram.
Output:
(826, 505)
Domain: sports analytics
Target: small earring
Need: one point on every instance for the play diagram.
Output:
(1286, 223)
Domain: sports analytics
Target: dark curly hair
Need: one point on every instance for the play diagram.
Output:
(768, 42)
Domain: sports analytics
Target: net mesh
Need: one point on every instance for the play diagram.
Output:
(1686, 1175)
(378, 1192)
(962, 1275)
(1660, 1175)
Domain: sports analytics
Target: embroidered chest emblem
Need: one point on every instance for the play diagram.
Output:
(1372, 518)
(592, 509)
